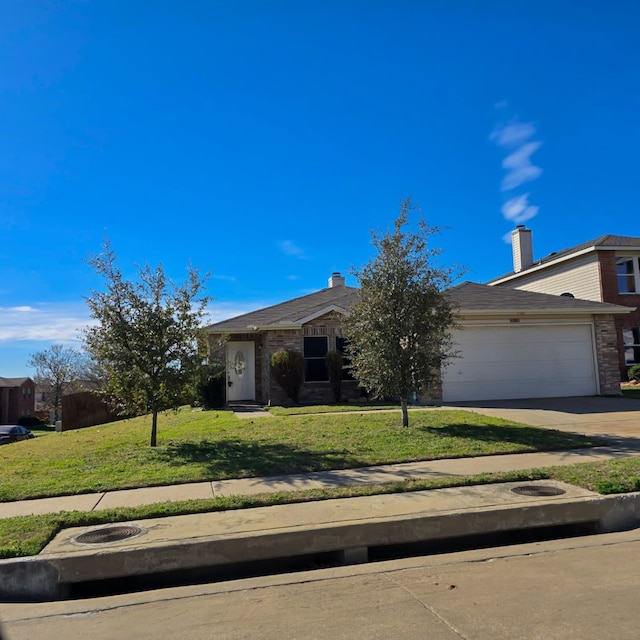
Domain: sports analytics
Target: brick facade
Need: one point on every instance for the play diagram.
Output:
(17, 399)
(269, 342)
(607, 355)
(609, 292)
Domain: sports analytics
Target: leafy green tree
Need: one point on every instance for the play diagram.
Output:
(398, 332)
(59, 371)
(146, 336)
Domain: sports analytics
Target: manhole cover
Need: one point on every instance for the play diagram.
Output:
(540, 490)
(108, 534)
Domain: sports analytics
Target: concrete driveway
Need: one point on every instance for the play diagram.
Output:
(613, 417)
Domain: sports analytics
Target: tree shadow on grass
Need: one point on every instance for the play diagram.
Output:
(238, 458)
(531, 437)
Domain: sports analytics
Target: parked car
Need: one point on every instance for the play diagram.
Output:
(13, 433)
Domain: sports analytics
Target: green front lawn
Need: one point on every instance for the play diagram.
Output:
(198, 445)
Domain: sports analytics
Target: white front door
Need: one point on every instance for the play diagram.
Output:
(241, 382)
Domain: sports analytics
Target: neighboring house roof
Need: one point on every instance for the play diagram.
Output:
(471, 297)
(292, 313)
(607, 242)
(71, 387)
(468, 297)
(13, 382)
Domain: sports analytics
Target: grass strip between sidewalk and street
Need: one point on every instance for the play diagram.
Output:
(27, 535)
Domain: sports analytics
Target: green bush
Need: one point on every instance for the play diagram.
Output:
(335, 366)
(287, 369)
(210, 391)
(634, 372)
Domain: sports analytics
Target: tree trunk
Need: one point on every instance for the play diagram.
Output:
(154, 428)
(405, 412)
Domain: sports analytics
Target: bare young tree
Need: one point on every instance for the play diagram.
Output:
(146, 338)
(58, 372)
(398, 332)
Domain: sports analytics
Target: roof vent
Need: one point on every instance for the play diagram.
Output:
(336, 279)
(522, 248)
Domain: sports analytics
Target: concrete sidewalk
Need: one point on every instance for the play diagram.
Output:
(433, 469)
(615, 419)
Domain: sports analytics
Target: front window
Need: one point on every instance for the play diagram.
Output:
(628, 274)
(315, 353)
(631, 339)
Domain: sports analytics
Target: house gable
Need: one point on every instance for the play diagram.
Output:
(291, 313)
(579, 276)
(332, 312)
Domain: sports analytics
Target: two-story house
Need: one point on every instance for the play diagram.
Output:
(17, 396)
(606, 269)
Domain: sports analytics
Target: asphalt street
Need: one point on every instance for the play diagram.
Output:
(582, 588)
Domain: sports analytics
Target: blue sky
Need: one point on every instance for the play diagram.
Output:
(263, 140)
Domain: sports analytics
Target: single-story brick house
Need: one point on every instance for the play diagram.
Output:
(511, 344)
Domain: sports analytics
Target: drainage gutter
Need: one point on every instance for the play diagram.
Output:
(347, 527)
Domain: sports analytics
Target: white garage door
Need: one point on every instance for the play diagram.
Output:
(521, 362)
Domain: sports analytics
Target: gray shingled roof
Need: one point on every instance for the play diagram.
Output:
(12, 382)
(291, 311)
(603, 242)
(471, 296)
(468, 297)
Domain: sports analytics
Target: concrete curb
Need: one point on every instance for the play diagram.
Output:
(346, 527)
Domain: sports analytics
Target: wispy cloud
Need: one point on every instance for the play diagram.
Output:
(25, 309)
(60, 323)
(518, 209)
(513, 134)
(516, 138)
(224, 278)
(291, 249)
(519, 166)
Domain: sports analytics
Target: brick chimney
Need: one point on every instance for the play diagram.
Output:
(522, 246)
(336, 279)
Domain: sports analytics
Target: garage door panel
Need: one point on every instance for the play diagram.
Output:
(533, 371)
(521, 353)
(510, 390)
(521, 362)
